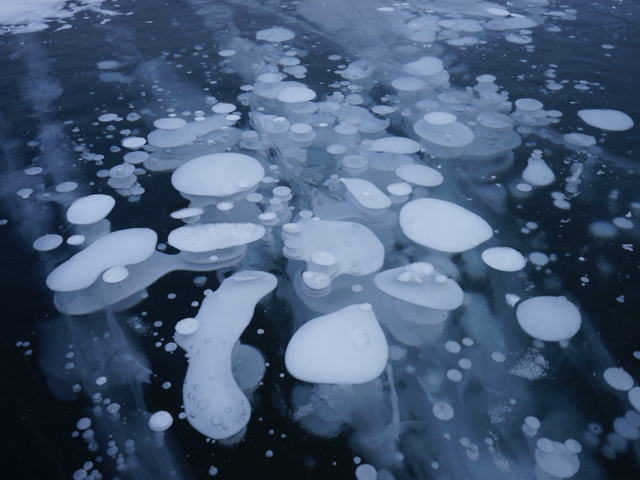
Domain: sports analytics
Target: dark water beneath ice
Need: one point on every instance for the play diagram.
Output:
(51, 94)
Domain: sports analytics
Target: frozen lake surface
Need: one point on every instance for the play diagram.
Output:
(320, 239)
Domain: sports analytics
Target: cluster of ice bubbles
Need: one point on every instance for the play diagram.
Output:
(366, 311)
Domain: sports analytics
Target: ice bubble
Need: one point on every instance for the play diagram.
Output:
(579, 139)
(218, 175)
(393, 145)
(66, 187)
(133, 143)
(213, 401)
(47, 242)
(223, 108)
(366, 471)
(136, 157)
(498, 12)
(505, 259)
(622, 222)
(452, 347)
(408, 84)
(169, 124)
(498, 357)
(550, 319)
(160, 421)
(213, 236)
(603, 230)
(296, 95)
(275, 35)
(606, 119)
(33, 171)
(443, 225)
(383, 109)
(115, 274)
(83, 424)
(538, 258)
(424, 67)
(350, 243)
(619, 379)
(532, 422)
(120, 248)
(76, 240)
(122, 171)
(443, 411)
(108, 64)
(187, 212)
(556, 460)
(366, 193)
(187, 326)
(538, 172)
(420, 175)
(441, 128)
(90, 209)
(439, 118)
(344, 347)
(399, 189)
(418, 284)
(634, 397)
(107, 117)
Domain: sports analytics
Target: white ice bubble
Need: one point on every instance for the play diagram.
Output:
(418, 284)
(47, 242)
(169, 124)
(107, 117)
(538, 258)
(420, 175)
(123, 247)
(619, 379)
(66, 187)
(133, 142)
(213, 236)
(187, 212)
(366, 471)
(550, 319)
(366, 193)
(223, 108)
(453, 347)
(296, 95)
(187, 326)
(160, 421)
(218, 175)
(115, 274)
(275, 35)
(443, 411)
(505, 259)
(498, 357)
(214, 403)
(443, 225)
(344, 347)
(399, 189)
(538, 172)
(76, 240)
(90, 209)
(607, 119)
(424, 67)
(136, 157)
(83, 424)
(393, 145)
(108, 64)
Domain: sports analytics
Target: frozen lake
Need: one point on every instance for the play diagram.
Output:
(320, 239)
